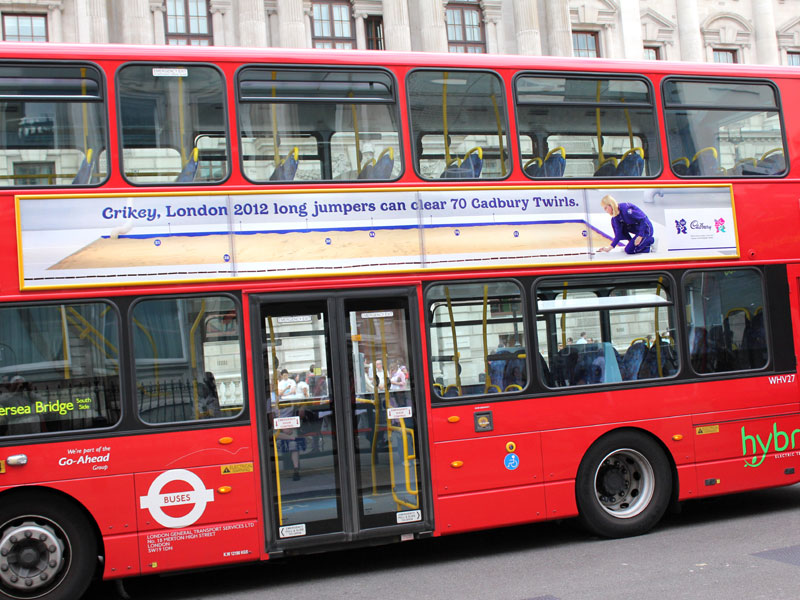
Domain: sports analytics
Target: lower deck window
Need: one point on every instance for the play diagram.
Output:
(188, 359)
(605, 331)
(59, 368)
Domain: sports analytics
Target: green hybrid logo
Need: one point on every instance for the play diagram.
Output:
(777, 441)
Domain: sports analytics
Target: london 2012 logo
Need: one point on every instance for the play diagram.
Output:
(680, 225)
(720, 225)
(155, 501)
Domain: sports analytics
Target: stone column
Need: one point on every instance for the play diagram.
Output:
(690, 39)
(55, 32)
(526, 26)
(138, 22)
(492, 42)
(766, 35)
(396, 29)
(433, 30)
(307, 28)
(559, 31)
(252, 23)
(631, 29)
(361, 38)
(159, 28)
(291, 24)
(273, 23)
(92, 21)
(219, 9)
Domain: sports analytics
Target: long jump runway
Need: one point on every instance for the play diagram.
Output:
(356, 248)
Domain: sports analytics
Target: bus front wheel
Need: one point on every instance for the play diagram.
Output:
(623, 485)
(48, 549)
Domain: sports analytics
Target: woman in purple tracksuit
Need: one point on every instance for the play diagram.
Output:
(629, 223)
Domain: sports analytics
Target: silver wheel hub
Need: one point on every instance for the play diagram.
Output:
(31, 556)
(624, 483)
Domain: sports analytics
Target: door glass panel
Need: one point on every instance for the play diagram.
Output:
(306, 497)
(383, 413)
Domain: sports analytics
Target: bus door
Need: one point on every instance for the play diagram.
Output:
(344, 447)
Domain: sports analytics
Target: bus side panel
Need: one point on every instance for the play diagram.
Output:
(487, 463)
(500, 469)
(196, 517)
(109, 500)
(495, 508)
(748, 454)
(121, 556)
(564, 449)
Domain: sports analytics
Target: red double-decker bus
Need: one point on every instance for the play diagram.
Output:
(258, 303)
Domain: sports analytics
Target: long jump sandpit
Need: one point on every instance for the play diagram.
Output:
(530, 241)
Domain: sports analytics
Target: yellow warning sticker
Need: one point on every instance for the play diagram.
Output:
(237, 468)
(707, 429)
(2, 466)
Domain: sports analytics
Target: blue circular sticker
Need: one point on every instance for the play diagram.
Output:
(157, 243)
(511, 461)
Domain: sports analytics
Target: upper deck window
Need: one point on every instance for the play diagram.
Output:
(458, 124)
(173, 126)
(53, 125)
(318, 124)
(586, 127)
(724, 128)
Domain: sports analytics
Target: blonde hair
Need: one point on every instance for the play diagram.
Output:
(609, 200)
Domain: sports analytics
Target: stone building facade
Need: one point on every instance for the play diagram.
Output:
(742, 31)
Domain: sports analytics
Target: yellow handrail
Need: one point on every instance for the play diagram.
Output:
(499, 134)
(455, 340)
(193, 357)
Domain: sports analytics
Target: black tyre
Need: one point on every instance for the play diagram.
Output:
(48, 549)
(623, 485)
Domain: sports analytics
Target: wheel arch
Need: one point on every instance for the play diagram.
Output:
(674, 492)
(43, 492)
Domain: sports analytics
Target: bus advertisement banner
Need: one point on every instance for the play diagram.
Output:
(157, 238)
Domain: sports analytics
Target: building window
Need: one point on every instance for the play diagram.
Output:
(25, 28)
(374, 30)
(585, 44)
(793, 59)
(652, 53)
(725, 56)
(188, 23)
(333, 26)
(34, 173)
(465, 28)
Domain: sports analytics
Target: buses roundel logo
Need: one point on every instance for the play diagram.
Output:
(155, 501)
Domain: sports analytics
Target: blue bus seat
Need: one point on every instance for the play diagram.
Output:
(286, 170)
(555, 162)
(534, 167)
(772, 161)
(86, 170)
(704, 162)
(607, 168)
(380, 169)
(632, 163)
(468, 168)
(189, 171)
(680, 166)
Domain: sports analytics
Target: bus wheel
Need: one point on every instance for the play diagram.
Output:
(623, 485)
(48, 549)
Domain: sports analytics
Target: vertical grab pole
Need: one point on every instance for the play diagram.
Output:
(455, 340)
(274, 390)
